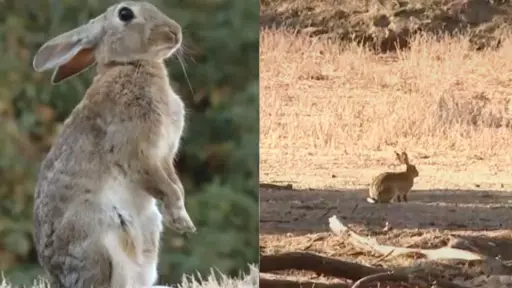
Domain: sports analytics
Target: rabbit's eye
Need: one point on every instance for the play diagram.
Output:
(126, 14)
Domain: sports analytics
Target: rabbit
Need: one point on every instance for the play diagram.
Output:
(96, 219)
(389, 185)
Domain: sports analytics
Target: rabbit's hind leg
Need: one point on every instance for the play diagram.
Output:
(90, 267)
(74, 254)
(96, 247)
(386, 194)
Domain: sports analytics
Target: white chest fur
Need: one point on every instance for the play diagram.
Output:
(121, 193)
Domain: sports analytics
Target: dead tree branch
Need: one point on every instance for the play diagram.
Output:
(316, 263)
(369, 244)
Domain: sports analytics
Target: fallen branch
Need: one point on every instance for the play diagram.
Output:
(366, 243)
(316, 263)
(334, 268)
(432, 254)
(276, 186)
(266, 282)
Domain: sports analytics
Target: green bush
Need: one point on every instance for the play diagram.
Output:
(218, 159)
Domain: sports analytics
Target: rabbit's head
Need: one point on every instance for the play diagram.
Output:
(126, 32)
(410, 169)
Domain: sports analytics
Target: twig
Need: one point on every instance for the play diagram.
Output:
(383, 257)
(266, 282)
(389, 276)
(329, 210)
(276, 186)
(354, 209)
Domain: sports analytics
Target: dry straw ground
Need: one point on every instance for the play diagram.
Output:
(331, 116)
(245, 281)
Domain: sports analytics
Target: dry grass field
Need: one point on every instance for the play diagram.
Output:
(332, 114)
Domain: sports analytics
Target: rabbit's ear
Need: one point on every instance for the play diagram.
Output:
(399, 157)
(405, 158)
(70, 53)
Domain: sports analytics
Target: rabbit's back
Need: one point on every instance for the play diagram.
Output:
(67, 171)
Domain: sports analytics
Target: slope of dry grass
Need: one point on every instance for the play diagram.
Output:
(328, 111)
(381, 24)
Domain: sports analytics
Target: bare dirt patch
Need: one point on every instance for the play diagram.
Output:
(383, 24)
(297, 220)
(330, 119)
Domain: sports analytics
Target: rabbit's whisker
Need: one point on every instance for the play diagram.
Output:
(182, 64)
(179, 53)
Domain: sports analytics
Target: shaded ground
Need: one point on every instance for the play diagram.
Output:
(307, 211)
(296, 220)
(385, 23)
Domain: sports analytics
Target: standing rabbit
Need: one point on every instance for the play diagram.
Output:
(96, 219)
(387, 185)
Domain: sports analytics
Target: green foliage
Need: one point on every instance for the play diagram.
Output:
(218, 160)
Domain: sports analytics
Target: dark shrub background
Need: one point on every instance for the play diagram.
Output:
(218, 161)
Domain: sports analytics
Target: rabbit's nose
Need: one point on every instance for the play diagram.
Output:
(170, 36)
(174, 38)
(174, 31)
(174, 28)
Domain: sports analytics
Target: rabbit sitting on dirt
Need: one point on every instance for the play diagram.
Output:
(387, 185)
(96, 219)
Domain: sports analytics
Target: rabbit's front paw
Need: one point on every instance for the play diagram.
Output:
(177, 218)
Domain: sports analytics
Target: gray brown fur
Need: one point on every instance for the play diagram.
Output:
(96, 220)
(393, 185)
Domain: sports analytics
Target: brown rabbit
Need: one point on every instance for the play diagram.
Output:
(96, 219)
(387, 185)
